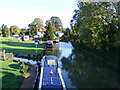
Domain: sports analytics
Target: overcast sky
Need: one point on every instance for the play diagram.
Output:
(23, 12)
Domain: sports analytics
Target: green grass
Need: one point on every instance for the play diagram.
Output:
(11, 77)
(24, 47)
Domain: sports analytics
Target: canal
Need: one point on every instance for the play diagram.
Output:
(83, 70)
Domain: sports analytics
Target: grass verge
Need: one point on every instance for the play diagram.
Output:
(24, 47)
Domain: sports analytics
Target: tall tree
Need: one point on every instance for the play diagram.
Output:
(66, 36)
(57, 23)
(5, 31)
(23, 31)
(49, 34)
(35, 25)
(15, 29)
(94, 24)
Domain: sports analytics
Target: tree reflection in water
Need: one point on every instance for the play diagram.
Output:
(53, 51)
(86, 70)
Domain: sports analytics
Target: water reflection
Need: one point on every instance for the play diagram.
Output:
(60, 50)
(81, 69)
(89, 71)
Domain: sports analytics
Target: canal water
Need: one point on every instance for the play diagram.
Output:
(81, 69)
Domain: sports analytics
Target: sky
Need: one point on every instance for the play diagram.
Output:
(23, 12)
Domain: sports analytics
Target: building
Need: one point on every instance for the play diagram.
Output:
(40, 34)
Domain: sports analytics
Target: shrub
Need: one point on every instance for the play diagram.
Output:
(23, 68)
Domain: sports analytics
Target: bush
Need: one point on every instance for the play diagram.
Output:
(23, 68)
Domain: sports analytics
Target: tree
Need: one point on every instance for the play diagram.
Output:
(23, 31)
(94, 24)
(15, 29)
(5, 31)
(49, 34)
(34, 26)
(66, 36)
(56, 23)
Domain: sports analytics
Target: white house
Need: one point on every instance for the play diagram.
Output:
(41, 33)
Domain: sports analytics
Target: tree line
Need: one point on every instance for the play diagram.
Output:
(51, 25)
(95, 25)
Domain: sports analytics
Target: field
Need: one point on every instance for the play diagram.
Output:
(10, 75)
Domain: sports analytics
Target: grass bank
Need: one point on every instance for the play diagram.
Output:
(24, 47)
(10, 75)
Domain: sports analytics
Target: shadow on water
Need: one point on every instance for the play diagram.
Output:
(88, 71)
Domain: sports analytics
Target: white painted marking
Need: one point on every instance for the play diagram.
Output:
(41, 76)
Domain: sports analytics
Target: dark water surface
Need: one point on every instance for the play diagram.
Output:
(81, 69)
